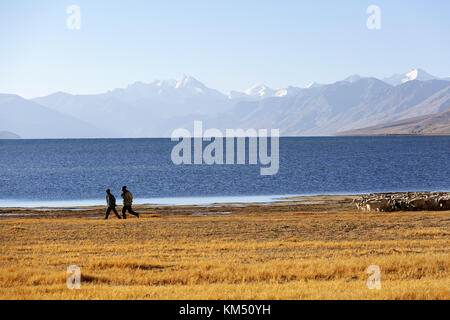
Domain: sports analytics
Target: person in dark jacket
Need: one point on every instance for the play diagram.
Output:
(127, 203)
(111, 202)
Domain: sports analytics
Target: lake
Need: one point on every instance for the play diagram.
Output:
(77, 171)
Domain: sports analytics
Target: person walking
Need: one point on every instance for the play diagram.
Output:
(127, 203)
(111, 202)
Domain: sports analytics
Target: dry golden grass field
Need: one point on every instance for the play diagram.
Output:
(316, 249)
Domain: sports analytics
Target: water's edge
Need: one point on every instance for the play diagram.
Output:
(180, 201)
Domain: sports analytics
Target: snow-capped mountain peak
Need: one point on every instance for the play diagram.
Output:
(411, 75)
(188, 82)
(281, 93)
(417, 74)
(175, 91)
(313, 85)
(259, 90)
(287, 92)
(414, 74)
(353, 78)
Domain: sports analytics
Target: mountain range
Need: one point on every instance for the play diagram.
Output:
(156, 109)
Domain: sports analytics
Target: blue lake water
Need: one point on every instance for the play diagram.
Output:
(77, 172)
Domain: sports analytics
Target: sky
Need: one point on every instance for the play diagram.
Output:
(228, 45)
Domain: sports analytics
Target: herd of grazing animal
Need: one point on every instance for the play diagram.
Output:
(404, 201)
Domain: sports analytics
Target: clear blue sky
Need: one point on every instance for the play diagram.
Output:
(228, 45)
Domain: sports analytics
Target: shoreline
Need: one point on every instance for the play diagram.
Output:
(157, 201)
(343, 203)
(185, 201)
(319, 204)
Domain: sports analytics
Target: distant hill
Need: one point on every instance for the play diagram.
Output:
(8, 135)
(31, 120)
(438, 123)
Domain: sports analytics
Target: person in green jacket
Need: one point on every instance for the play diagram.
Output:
(127, 203)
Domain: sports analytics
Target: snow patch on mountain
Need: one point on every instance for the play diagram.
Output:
(313, 85)
(415, 74)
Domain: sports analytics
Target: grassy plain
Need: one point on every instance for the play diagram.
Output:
(316, 249)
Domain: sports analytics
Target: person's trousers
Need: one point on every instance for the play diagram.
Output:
(128, 208)
(113, 209)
